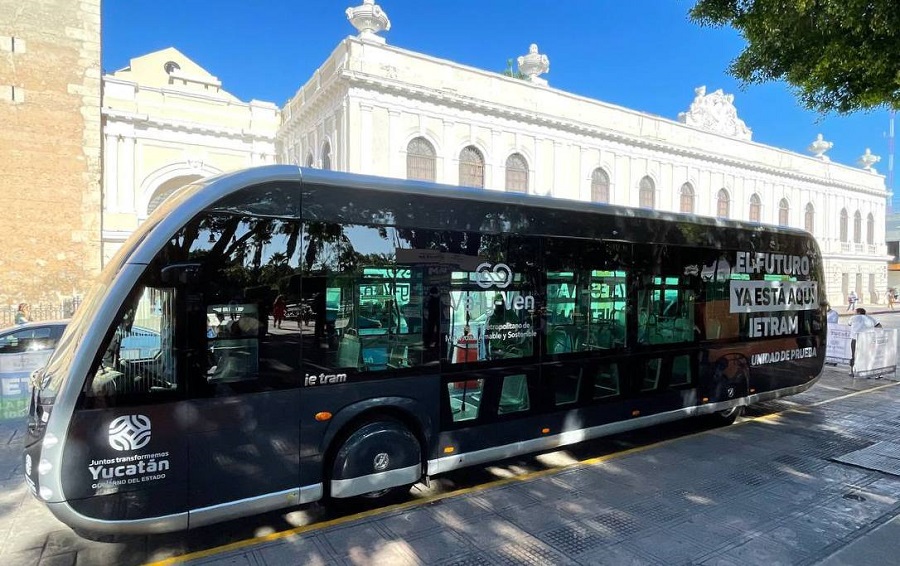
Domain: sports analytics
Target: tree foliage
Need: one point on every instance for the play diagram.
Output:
(839, 55)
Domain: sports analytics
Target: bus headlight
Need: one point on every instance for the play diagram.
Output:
(44, 467)
(46, 493)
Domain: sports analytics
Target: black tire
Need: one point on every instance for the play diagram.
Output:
(726, 417)
(376, 446)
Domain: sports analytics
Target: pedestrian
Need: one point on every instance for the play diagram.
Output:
(852, 299)
(279, 309)
(860, 322)
(23, 313)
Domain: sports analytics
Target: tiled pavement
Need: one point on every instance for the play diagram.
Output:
(765, 491)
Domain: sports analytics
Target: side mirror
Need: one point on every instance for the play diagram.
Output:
(181, 274)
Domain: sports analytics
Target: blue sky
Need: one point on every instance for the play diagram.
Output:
(641, 54)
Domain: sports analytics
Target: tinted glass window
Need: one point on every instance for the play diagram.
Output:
(364, 298)
(493, 301)
(138, 363)
(245, 307)
(587, 293)
(667, 294)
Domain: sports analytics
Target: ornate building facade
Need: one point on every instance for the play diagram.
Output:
(168, 122)
(378, 109)
(49, 151)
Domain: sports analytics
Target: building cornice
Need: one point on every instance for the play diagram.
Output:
(226, 99)
(113, 116)
(467, 103)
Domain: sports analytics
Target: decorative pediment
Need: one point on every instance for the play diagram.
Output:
(715, 112)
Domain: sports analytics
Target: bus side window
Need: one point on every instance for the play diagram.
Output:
(514, 394)
(367, 314)
(233, 342)
(606, 381)
(138, 362)
(681, 371)
(465, 399)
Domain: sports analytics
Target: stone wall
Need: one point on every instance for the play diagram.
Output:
(49, 149)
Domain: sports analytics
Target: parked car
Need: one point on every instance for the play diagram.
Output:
(23, 349)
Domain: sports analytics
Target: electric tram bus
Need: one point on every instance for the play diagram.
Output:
(276, 336)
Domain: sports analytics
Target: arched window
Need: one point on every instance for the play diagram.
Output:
(870, 230)
(471, 167)
(723, 204)
(310, 160)
(687, 198)
(844, 220)
(326, 156)
(420, 160)
(599, 186)
(784, 212)
(857, 227)
(516, 174)
(809, 220)
(755, 208)
(647, 193)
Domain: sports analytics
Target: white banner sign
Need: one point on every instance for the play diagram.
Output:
(838, 349)
(876, 353)
(773, 296)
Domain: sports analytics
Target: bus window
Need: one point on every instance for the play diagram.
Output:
(606, 381)
(492, 302)
(586, 296)
(138, 362)
(465, 399)
(366, 308)
(666, 300)
(681, 371)
(567, 384)
(233, 342)
(514, 394)
(651, 369)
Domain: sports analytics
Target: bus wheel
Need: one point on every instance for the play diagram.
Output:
(375, 461)
(726, 417)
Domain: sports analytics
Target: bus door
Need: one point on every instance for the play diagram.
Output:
(489, 364)
(665, 365)
(125, 455)
(244, 404)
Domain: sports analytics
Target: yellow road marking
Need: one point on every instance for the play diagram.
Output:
(481, 487)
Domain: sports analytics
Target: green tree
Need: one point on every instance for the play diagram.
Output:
(838, 55)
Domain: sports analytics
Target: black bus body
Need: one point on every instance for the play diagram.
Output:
(278, 335)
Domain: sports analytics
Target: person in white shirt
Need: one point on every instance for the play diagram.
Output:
(860, 322)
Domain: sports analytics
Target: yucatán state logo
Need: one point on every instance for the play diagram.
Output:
(130, 432)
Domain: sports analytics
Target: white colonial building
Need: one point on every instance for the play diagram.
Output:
(167, 122)
(377, 109)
